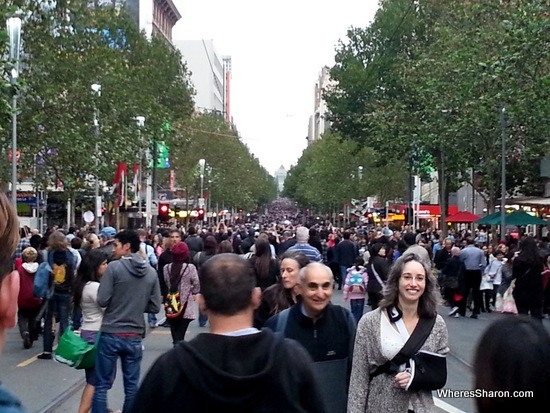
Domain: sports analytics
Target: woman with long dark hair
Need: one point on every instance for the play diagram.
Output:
(85, 290)
(527, 271)
(282, 294)
(265, 265)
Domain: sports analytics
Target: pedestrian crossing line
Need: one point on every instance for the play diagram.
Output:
(33, 359)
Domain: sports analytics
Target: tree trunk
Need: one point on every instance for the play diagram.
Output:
(443, 196)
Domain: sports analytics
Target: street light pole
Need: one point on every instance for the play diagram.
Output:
(96, 88)
(141, 123)
(502, 173)
(202, 162)
(14, 32)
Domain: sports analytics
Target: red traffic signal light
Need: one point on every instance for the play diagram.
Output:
(201, 212)
(164, 209)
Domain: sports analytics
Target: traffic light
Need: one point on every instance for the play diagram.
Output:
(164, 209)
(201, 213)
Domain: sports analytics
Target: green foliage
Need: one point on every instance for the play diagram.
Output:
(429, 78)
(328, 174)
(232, 177)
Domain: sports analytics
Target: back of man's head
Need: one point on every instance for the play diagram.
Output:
(191, 230)
(142, 234)
(347, 234)
(227, 281)
(129, 236)
(302, 234)
(409, 238)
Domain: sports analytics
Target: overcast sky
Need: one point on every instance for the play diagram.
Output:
(277, 50)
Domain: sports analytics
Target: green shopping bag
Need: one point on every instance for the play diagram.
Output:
(74, 351)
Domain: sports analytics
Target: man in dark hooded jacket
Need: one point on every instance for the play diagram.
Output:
(235, 367)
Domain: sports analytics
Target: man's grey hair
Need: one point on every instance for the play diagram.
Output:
(302, 234)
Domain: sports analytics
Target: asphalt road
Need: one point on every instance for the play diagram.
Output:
(46, 386)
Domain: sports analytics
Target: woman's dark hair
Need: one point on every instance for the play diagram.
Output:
(210, 245)
(262, 257)
(428, 302)
(529, 251)
(375, 249)
(513, 354)
(87, 271)
(297, 256)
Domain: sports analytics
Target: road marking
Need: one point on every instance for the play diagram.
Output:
(33, 359)
(446, 406)
(161, 332)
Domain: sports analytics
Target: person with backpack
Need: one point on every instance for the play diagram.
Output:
(28, 305)
(183, 284)
(62, 263)
(326, 330)
(355, 288)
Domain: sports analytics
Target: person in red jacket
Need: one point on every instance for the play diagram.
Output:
(28, 304)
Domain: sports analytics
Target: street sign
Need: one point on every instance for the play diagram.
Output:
(201, 202)
(154, 208)
(88, 216)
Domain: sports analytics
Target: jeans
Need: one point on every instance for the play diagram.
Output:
(357, 306)
(343, 275)
(58, 304)
(472, 281)
(109, 348)
(77, 317)
(203, 318)
(152, 319)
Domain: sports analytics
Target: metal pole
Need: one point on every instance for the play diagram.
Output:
(14, 150)
(97, 197)
(503, 174)
(154, 218)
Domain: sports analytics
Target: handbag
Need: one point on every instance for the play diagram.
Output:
(430, 369)
(172, 303)
(74, 351)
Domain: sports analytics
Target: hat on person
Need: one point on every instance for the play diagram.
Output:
(180, 251)
(107, 232)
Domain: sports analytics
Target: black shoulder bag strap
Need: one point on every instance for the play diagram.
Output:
(411, 347)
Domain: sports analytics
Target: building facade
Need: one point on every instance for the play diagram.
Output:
(318, 123)
(280, 176)
(210, 75)
(154, 17)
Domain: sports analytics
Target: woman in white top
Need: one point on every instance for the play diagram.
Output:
(85, 296)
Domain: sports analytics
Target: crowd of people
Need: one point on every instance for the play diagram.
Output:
(249, 281)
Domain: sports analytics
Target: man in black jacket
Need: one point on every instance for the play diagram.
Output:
(235, 367)
(327, 332)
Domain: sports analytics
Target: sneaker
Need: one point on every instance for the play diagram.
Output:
(453, 311)
(456, 315)
(44, 356)
(27, 342)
